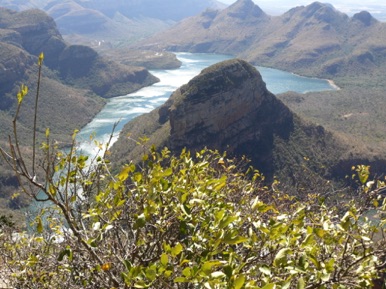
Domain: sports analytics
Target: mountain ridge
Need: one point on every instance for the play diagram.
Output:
(313, 40)
(83, 22)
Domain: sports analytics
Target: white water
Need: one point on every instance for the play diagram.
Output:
(122, 109)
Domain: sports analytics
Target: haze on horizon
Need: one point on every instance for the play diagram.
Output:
(274, 7)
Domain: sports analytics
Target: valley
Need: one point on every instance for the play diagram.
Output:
(314, 40)
(245, 150)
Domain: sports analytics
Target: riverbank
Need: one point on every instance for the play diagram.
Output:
(332, 83)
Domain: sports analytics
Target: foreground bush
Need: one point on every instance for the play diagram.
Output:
(187, 221)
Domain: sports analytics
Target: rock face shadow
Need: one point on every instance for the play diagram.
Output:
(228, 108)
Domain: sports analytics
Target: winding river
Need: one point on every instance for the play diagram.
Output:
(122, 109)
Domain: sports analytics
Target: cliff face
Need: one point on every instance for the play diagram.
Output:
(227, 107)
(24, 35)
(38, 33)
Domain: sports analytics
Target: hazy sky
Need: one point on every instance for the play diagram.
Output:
(274, 7)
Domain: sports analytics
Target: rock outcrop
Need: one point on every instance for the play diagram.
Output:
(228, 107)
(33, 32)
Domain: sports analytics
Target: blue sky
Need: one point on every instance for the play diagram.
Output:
(376, 7)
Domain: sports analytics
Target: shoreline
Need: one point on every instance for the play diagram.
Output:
(332, 83)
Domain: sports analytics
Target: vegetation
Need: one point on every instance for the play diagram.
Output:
(354, 112)
(144, 58)
(201, 221)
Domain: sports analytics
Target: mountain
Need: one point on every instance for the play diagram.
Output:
(113, 22)
(228, 107)
(315, 39)
(33, 31)
(75, 81)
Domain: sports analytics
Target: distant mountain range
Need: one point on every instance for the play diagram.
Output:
(114, 21)
(315, 39)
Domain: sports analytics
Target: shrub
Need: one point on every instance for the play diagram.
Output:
(201, 221)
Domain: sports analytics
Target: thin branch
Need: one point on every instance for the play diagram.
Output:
(40, 63)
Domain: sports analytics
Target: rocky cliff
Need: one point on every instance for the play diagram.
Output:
(31, 32)
(228, 107)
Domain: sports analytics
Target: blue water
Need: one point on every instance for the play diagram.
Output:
(122, 109)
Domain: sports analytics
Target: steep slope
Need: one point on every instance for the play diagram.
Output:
(74, 80)
(34, 32)
(227, 107)
(315, 39)
(228, 31)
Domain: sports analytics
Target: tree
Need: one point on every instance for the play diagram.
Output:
(183, 221)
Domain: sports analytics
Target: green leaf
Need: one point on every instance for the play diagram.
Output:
(176, 250)
(269, 286)
(226, 221)
(164, 259)
(74, 134)
(208, 265)
(39, 226)
(281, 257)
(239, 282)
(301, 283)
(219, 215)
(137, 177)
(151, 274)
(22, 93)
(124, 174)
(221, 183)
(230, 239)
(309, 240)
(286, 285)
(180, 280)
(319, 232)
(330, 265)
(187, 272)
(41, 58)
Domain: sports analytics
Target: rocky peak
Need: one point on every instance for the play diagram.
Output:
(38, 32)
(244, 9)
(314, 7)
(365, 17)
(226, 107)
(322, 12)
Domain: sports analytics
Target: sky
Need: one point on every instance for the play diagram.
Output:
(275, 7)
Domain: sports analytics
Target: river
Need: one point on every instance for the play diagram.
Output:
(122, 109)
